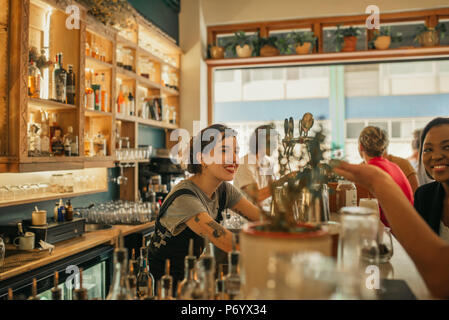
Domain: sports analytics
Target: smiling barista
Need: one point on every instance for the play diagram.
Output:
(193, 208)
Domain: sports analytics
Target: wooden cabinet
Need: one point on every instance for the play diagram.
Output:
(143, 60)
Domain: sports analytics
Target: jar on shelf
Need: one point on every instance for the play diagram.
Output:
(69, 184)
(57, 183)
(346, 194)
(100, 146)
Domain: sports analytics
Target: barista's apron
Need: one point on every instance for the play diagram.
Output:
(176, 247)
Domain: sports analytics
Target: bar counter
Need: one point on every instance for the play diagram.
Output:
(400, 267)
(35, 259)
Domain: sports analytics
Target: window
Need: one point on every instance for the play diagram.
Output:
(224, 76)
(353, 129)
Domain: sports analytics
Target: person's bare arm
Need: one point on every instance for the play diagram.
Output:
(255, 193)
(413, 180)
(429, 252)
(248, 210)
(203, 225)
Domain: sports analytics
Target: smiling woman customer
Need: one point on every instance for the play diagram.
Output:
(432, 199)
(193, 208)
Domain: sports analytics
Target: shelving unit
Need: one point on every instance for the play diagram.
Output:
(91, 49)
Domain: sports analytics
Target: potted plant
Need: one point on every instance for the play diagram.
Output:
(346, 39)
(284, 45)
(283, 230)
(241, 44)
(384, 37)
(303, 41)
(430, 37)
(268, 47)
(216, 51)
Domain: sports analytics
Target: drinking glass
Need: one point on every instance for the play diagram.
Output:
(385, 246)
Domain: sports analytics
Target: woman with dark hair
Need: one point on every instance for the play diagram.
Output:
(432, 199)
(373, 143)
(414, 159)
(255, 172)
(192, 210)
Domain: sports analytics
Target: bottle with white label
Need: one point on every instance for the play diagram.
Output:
(346, 194)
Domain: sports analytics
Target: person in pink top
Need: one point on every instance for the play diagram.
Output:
(373, 141)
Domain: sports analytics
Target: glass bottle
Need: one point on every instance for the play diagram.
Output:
(68, 139)
(89, 92)
(120, 286)
(87, 49)
(120, 101)
(71, 85)
(132, 105)
(94, 49)
(53, 127)
(132, 281)
(34, 291)
(167, 283)
(55, 212)
(144, 278)
(69, 210)
(34, 80)
(57, 144)
(134, 262)
(61, 211)
(45, 134)
(206, 273)
(189, 284)
(34, 140)
(104, 95)
(10, 294)
(81, 292)
(60, 81)
(96, 87)
(233, 280)
(220, 287)
(346, 194)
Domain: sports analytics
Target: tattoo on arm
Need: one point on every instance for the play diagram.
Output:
(197, 218)
(218, 229)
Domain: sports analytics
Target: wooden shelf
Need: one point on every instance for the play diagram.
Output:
(49, 104)
(126, 74)
(95, 113)
(96, 64)
(143, 52)
(48, 196)
(126, 43)
(122, 117)
(322, 58)
(157, 124)
(148, 83)
(99, 162)
(169, 91)
(132, 161)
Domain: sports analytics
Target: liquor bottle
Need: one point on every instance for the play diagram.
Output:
(34, 291)
(189, 284)
(68, 139)
(96, 87)
(56, 293)
(45, 134)
(132, 105)
(132, 281)
(53, 127)
(71, 85)
(104, 95)
(34, 80)
(149, 295)
(56, 212)
(10, 294)
(61, 211)
(34, 140)
(69, 211)
(81, 292)
(220, 288)
(60, 81)
(89, 92)
(126, 102)
(120, 286)
(57, 143)
(134, 262)
(167, 283)
(143, 279)
(233, 281)
(120, 101)
(206, 273)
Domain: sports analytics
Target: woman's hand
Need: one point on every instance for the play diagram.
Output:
(366, 175)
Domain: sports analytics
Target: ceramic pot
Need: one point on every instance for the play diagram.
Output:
(429, 38)
(349, 44)
(269, 51)
(304, 48)
(217, 52)
(245, 51)
(256, 247)
(382, 42)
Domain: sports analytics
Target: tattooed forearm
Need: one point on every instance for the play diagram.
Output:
(218, 229)
(240, 213)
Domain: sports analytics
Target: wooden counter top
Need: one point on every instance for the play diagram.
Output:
(27, 261)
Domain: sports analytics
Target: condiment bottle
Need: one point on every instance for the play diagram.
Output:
(346, 194)
(69, 211)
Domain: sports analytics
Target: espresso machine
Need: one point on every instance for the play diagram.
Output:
(160, 174)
